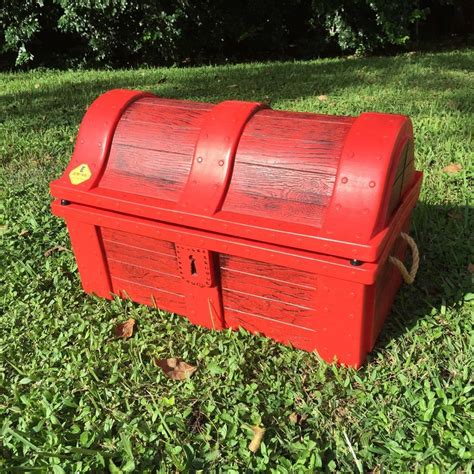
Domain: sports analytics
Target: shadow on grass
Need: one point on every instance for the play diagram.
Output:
(63, 102)
(444, 238)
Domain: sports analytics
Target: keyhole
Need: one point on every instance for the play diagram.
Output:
(192, 262)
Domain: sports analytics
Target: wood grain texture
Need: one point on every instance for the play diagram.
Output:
(269, 307)
(266, 181)
(276, 301)
(144, 269)
(299, 337)
(266, 288)
(145, 276)
(150, 296)
(139, 241)
(267, 271)
(272, 137)
(155, 102)
(143, 260)
(153, 146)
(286, 165)
(157, 173)
(139, 256)
(267, 209)
(321, 118)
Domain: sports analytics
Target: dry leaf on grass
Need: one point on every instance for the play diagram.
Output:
(257, 438)
(296, 418)
(125, 330)
(453, 168)
(23, 233)
(58, 248)
(293, 418)
(470, 268)
(176, 368)
(322, 97)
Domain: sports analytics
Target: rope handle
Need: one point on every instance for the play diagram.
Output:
(408, 276)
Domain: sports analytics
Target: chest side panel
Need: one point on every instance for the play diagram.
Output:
(273, 300)
(144, 269)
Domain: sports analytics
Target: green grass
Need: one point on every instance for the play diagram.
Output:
(73, 400)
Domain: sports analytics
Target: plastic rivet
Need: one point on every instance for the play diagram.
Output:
(344, 180)
(372, 184)
(199, 159)
(221, 162)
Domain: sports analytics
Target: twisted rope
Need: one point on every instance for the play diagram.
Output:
(408, 276)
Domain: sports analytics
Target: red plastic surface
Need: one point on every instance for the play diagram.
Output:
(213, 159)
(238, 215)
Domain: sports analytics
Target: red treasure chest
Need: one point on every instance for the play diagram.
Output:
(288, 224)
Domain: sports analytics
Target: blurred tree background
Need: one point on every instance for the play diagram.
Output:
(127, 33)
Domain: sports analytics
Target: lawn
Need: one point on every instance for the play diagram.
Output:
(74, 399)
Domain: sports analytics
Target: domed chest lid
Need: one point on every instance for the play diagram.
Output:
(328, 184)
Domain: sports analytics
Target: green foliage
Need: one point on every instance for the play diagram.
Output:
(365, 25)
(126, 32)
(117, 31)
(19, 21)
(72, 399)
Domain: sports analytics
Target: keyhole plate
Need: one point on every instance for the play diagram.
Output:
(195, 265)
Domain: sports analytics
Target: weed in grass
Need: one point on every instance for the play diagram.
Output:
(75, 399)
